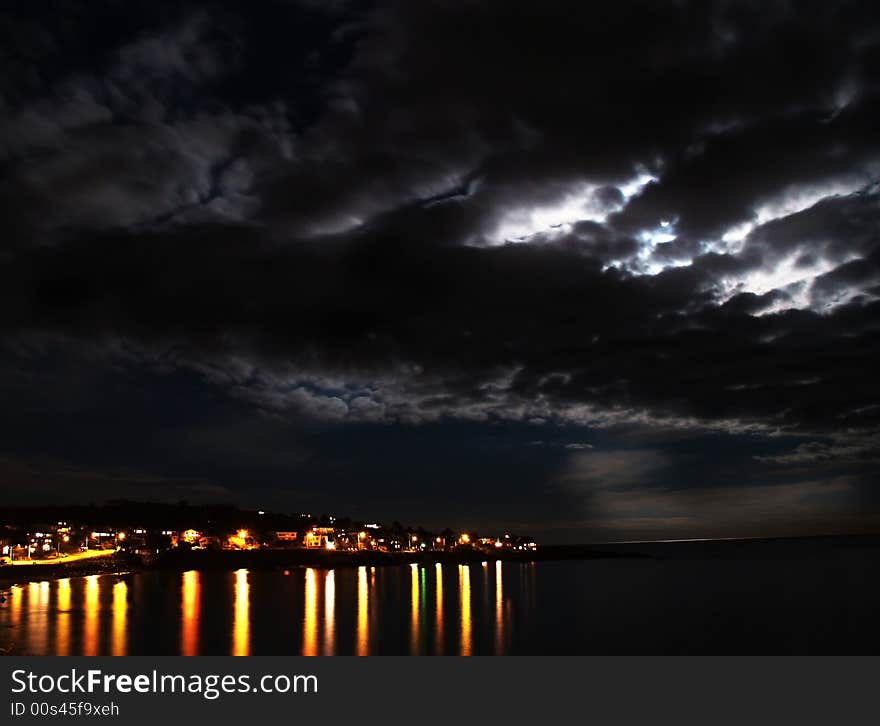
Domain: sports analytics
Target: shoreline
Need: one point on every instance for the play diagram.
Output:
(781, 549)
(279, 560)
(23, 574)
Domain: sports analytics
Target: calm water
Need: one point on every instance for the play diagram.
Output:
(826, 602)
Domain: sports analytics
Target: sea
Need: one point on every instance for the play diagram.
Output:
(798, 596)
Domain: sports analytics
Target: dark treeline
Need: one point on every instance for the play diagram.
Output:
(155, 515)
(211, 519)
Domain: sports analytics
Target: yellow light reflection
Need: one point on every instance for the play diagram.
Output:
(15, 598)
(241, 626)
(499, 609)
(464, 596)
(363, 634)
(438, 612)
(329, 612)
(120, 613)
(190, 607)
(423, 598)
(38, 617)
(310, 618)
(92, 608)
(62, 617)
(414, 635)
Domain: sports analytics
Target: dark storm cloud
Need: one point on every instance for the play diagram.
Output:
(136, 114)
(379, 327)
(651, 215)
(64, 484)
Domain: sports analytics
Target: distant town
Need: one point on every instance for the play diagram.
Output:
(54, 534)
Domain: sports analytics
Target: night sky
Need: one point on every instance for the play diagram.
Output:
(587, 271)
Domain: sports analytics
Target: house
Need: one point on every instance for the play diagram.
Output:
(320, 538)
(41, 541)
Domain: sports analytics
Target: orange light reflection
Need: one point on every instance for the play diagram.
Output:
(464, 597)
(118, 644)
(92, 607)
(329, 612)
(190, 606)
(62, 617)
(363, 634)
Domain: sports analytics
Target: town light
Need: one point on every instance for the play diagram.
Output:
(465, 538)
(120, 536)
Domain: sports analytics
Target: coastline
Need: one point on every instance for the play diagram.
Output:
(182, 560)
(782, 549)
(23, 574)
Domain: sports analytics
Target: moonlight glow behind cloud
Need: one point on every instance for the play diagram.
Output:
(357, 256)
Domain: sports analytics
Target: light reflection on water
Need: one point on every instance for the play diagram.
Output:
(63, 617)
(312, 612)
(363, 596)
(414, 636)
(190, 606)
(91, 615)
(329, 612)
(120, 613)
(499, 610)
(15, 598)
(310, 620)
(241, 625)
(39, 593)
(438, 611)
(464, 597)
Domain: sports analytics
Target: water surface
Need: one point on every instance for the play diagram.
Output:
(757, 603)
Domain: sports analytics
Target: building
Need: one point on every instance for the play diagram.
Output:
(320, 538)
